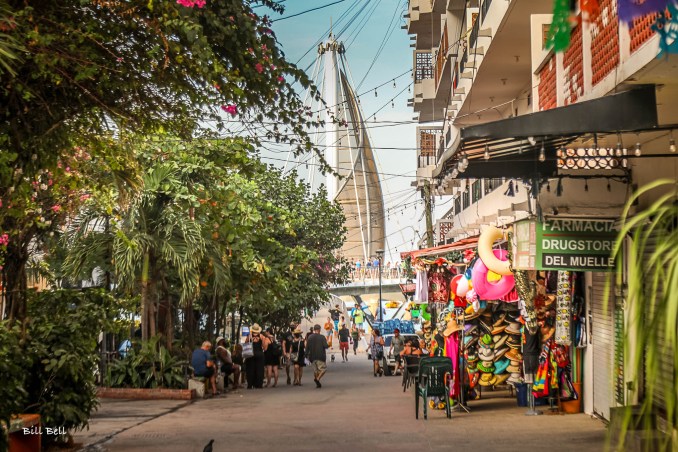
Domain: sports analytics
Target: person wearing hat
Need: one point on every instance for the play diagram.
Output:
(203, 365)
(358, 317)
(316, 347)
(254, 366)
(227, 367)
(296, 355)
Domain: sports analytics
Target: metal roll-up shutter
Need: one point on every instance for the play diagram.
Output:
(602, 340)
(667, 367)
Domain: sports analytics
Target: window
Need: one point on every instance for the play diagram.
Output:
(544, 34)
(492, 184)
(457, 205)
(466, 199)
(476, 191)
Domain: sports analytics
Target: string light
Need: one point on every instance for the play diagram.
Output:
(672, 143)
(392, 104)
(542, 152)
(638, 152)
(487, 152)
(375, 92)
(394, 85)
(619, 145)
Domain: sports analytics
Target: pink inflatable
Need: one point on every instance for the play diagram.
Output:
(487, 290)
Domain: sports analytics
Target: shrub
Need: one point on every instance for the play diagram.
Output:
(147, 365)
(13, 368)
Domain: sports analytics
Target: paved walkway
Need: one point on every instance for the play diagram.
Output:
(354, 411)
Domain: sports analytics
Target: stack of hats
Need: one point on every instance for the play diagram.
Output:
(515, 359)
(486, 364)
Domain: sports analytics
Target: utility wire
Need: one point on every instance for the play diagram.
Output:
(307, 11)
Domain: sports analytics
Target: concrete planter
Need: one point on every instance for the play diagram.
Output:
(146, 394)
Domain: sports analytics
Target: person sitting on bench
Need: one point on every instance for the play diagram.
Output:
(203, 366)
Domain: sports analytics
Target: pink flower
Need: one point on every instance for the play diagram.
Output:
(4, 239)
(192, 3)
(200, 3)
(85, 197)
(259, 67)
(273, 67)
(56, 208)
(281, 78)
(230, 109)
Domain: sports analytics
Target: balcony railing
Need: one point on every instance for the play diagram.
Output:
(441, 54)
(484, 8)
(464, 60)
(423, 66)
(492, 184)
(426, 160)
(457, 205)
(476, 192)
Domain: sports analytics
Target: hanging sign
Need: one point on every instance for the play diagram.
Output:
(575, 244)
(564, 244)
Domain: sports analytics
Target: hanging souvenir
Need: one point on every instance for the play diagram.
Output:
(491, 290)
(438, 287)
(561, 26)
(564, 309)
(421, 286)
(630, 9)
(527, 291)
(591, 8)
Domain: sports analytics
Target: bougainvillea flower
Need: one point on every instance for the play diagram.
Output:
(230, 109)
(259, 67)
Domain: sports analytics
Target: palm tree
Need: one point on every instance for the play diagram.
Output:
(154, 237)
(652, 300)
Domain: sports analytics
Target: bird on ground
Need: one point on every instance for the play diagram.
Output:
(208, 448)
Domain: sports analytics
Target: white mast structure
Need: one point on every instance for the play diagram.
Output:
(349, 153)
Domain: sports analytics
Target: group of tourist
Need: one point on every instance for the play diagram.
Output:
(262, 355)
(370, 269)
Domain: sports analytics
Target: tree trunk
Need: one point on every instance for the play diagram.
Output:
(14, 273)
(145, 302)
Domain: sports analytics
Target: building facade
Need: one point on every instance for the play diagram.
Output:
(525, 133)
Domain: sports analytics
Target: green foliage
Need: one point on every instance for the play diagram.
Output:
(62, 329)
(13, 365)
(148, 365)
(652, 305)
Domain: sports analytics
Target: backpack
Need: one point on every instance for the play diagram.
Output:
(276, 349)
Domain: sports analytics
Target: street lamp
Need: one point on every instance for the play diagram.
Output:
(380, 256)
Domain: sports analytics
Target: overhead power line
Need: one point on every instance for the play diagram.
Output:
(307, 11)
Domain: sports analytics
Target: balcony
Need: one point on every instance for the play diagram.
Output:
(424, 100)
(428, 141)
(420, 16)
(442, 72)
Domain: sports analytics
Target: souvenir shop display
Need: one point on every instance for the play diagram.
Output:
(497, 324)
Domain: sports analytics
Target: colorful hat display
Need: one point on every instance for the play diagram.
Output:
(473, 379)
(500, 366)
(470, 341)
(498, 329)
(498, 354)
(471, 357)
(499, 341)
(452, 327)
(486, 369)
(514, 378)
(513, 328)
(488, 380)
(484, 327)
(486, 340)
(513, 342)
(501, 379)
(499, 321)
(470, 329)
(486, 354)
(513, 368)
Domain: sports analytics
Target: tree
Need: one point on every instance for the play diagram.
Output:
(91, 70)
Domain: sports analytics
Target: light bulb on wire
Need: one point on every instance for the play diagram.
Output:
(542, 152)
(672, 143)
(486, 156)
(638, 151)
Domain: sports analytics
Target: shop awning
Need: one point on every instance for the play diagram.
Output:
(459, 245)
(514, 144)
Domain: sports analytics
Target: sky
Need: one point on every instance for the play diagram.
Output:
(374, 22)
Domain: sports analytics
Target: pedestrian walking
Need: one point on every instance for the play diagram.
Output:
(397, 346)
(287, 339)
(328, 331)
(377, 351)
(272, 358)
(355, 336)
(358, 316)
(254, 366)
(335, 314)
(296, 355)
(316, 346)
(344, 335)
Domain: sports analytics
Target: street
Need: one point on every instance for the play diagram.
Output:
(353, 411)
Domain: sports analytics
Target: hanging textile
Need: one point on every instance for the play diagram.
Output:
(630, 9)
(564, 309)
(452, 351)
(421, 286)
(438, 287)
(666, 26)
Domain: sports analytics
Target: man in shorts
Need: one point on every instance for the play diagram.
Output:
(344, 334)
(335, 314)
(316, 346)
(204, 366)
(355, 336)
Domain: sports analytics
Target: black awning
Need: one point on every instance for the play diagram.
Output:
(514, 144)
